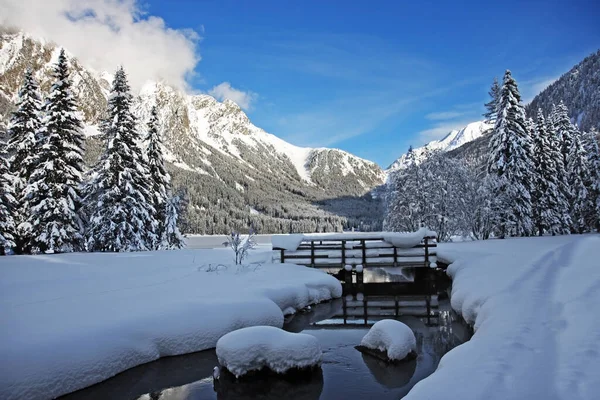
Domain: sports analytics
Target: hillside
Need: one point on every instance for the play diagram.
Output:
(230, 173)
(579, 89)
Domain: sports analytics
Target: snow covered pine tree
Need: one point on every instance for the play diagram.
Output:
(591, 145)
(53, 190)
(548, 201)
(7, 204)
(24, 126)
(579, 174)
(165, 206)
(118, 200)
(510, 159)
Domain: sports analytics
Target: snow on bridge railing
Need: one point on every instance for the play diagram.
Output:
(369, 249)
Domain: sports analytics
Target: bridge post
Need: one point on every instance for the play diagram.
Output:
(364, 252)
(343, 253)
(426, 252)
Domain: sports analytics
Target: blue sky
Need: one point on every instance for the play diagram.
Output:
(372, 77)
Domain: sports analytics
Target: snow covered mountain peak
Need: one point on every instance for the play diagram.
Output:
(195, 126)
(451, 141)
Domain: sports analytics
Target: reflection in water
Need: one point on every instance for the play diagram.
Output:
(390, 375)
(305, 387)
(339, 325)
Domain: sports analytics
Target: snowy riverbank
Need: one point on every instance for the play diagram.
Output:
(533, 304)
(69, 321)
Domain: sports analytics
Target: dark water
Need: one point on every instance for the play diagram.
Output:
(346, 373)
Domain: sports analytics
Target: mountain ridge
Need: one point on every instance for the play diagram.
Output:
(216, 154)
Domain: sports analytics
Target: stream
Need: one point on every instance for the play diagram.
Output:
(339, 325)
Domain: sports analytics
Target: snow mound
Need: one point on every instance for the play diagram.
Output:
(287, 242)
(393, 337)
(408, 240)
(258, 347)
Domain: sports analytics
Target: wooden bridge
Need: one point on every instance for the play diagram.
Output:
(357, 249)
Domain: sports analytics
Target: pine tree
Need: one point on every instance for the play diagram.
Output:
(159, 179)
(118, 199)
(492, 106)
(579, 174)
(510, 159)
(7, 204)
(564, 129)
(593, 184)
(53, 190)
(22, 132)
(171, 237)
(562, 175)
(548, 201)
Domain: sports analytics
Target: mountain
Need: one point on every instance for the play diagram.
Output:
(230, 173)
(451, 141)
(579, 89)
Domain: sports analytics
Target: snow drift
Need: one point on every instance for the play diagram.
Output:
(69, 321)
(536, 332)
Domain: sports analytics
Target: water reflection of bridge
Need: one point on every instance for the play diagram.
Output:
(364, 304)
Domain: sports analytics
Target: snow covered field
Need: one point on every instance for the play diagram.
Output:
(533, 303)
(69, 321)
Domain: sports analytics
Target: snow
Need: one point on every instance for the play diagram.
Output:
(532, 303)
(451, 141)
(407, 240)
(287, 242)
(258, 347)
(392, 337)
(72, 320)
(398, 239)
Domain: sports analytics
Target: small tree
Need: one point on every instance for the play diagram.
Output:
(240, 245)
(171, 237)
(491, 107)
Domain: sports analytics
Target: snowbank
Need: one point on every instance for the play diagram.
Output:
(392, 337)
(258, 347)
(403, 240)
(69, 321)
(532, 302)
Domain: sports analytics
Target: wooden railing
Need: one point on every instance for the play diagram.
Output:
(368, 251)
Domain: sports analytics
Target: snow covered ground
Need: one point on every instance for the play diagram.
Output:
(533, 304)
(69, 321)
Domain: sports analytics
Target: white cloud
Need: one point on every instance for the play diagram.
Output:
(444, 115)
(103, 34)
(224, 91)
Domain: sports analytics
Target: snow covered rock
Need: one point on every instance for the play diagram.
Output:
(389, 339)
(259, 347)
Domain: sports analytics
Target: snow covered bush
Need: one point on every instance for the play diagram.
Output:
(240, 245)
